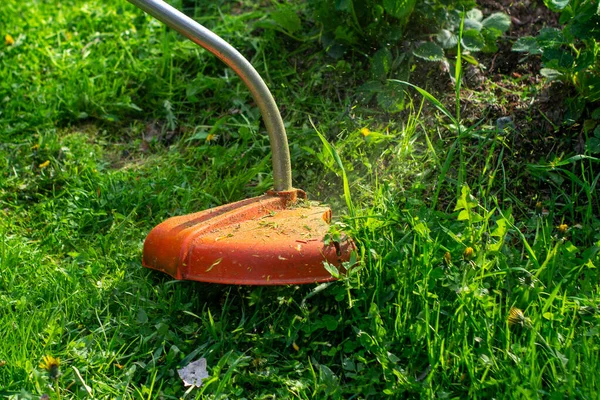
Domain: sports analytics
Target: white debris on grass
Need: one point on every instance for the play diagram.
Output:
(193, 373)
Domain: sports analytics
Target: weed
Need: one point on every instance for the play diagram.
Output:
(570, 54)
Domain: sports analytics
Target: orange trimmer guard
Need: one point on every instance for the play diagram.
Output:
(274, 239)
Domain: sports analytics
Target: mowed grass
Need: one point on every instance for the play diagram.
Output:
(111, 123)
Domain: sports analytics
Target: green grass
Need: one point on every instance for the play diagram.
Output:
(103, 128)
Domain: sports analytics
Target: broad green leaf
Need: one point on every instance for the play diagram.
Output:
(593, 145)
(500, 229)
(399, 8)
(422, 230)
(570, 247)
(588, 85)
(287, 18)
(142, 317)
(469, 215)
(495, 247)
(551, 37)
(589, 125)
(490, 37)
(330, 322)
(394, 34)
(332, 269)
(551, 74)
(474, 14)
(497, 21)
(391, 97)
(344, 5)
(500, 233)
(328, 380)
(473, 40)
(344, 34)
(447, 39)
(527, 44)
(470, 59)
(381, 63)
(586, 25)
(436, 273)
(556, 5)
(472, 24)
(463, 215)
(377, 11)
(585, 60)
(475, 217)
(429, 51)
(465, 202)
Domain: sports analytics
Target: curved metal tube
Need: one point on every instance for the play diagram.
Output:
(282, 170)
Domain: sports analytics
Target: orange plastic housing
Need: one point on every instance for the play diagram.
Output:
(275, 239)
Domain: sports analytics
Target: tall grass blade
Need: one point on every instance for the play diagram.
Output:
(333, 153)
(437, 104)
(458, 71)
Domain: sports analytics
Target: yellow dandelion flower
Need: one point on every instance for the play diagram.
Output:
(468, 253)
(448, 258)
(211, 137)
(562, 228)
(35, 146)
(44, 164)
(51, 364)
(9, 40)
(517, 317)
(365, 131)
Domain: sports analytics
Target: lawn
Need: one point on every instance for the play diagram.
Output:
(472, 200)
